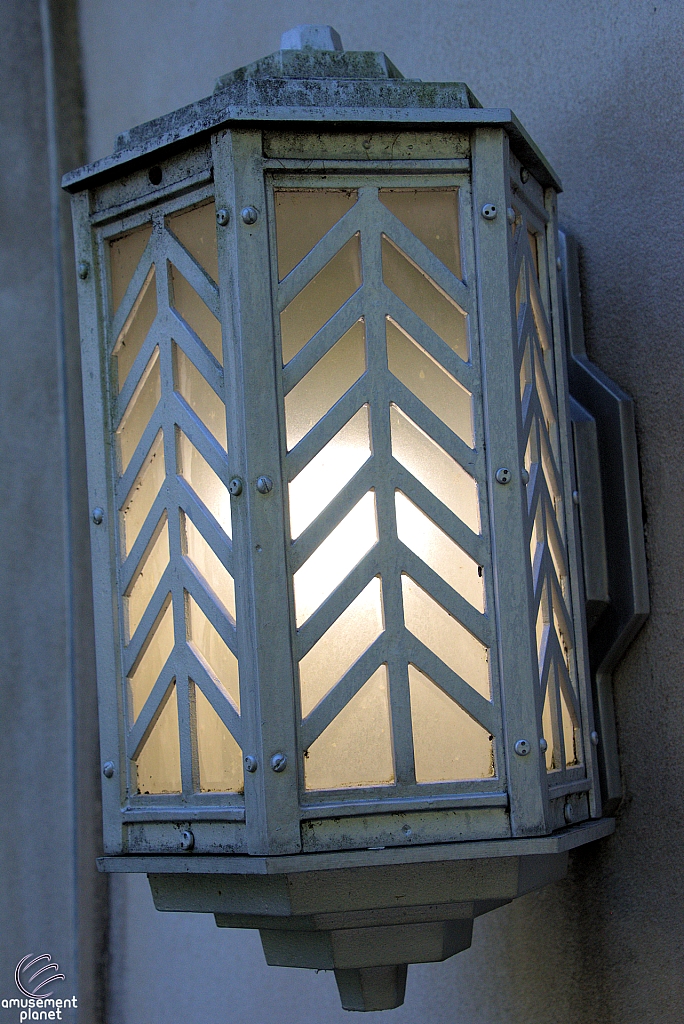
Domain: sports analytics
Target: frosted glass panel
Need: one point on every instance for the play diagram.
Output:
(422, 295)
(196, 229)
(327, 473)
(320, 299)
(158, 765)
(337, 650)
(440, 552)
(146, 579)
(194, 468)
(569, 734)
(532, 239)
(139, 410)
(325, 384)
(209, 566)
(199, 395)
(447, 743)
(429, 382)
(213, 651)
(142, 494)
(334, 559)
(356, 748)
(219, 756)
(155, 654)
(432, 215)
(303, 217)
(196, 314)
(436, 470)
(136, 328)
(551, 733)
(446, 637)
(124, 256)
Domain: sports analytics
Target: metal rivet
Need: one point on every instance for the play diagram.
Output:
(108, 769)
(488, 211)
(559, 263)
(278, 762)
(594, 737)
(575, 497)
(524, 175)
(264, 484)
(249, 215)
(543, 745)
(366, 143)
(503, 475)
(98, 515)
(524, 476)
(510, 214)
(187, 840)
(407, 830)
(222, 217)
(251, 763)
(235, 486)
(569, 812)
(83, 270)
(522, 748)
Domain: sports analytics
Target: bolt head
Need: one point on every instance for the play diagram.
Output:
(222, 217)
(576, 497)
(235, 486)
(250, 763)
(503, 476)
(569, 812)
(264, 484)
(594, 737)
(83, 270)
(98, 515)
(510, 215)
(559, 263)
(187, 840)
(249, 215)
(524, 175)
(524, 476)
(522, 748)
(108, 769)
(543, 745)
(279, 762)
(489, 211)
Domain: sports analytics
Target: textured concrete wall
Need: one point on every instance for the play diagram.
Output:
(51, 898)
(598, 84)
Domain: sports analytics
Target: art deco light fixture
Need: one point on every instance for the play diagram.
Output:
(347, 692)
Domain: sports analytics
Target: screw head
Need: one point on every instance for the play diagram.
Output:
(98, 515)
(235, 486)
(222, 217)
(522, 748)
(594, 737)
(264, 484)
(524, 175)
(503, 476)
(250, 763)
(249, 215)
(279, 762)
(187, 840)
(510, 215)
(543, 745)
(559, 263)
(569, 812)
(108, 769)
(489, 211)
(83, 270)
(524, 476)
(576, 497)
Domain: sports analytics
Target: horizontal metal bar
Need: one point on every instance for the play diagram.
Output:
(155, 196)
(184, 813)
(386, 805)
(428, 166)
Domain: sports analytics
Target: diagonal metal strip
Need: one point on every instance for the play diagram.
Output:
(199, 435)
(137, 461)
(468, 458)
(207, 595)
(541, 321)
(156, 607)
(147, 531)
(318, 257)
(182, 496)
(155, 338)
(566, 685)
(197, 352)
(472, 543)
(194, 274)
(128, 303)
(465, 373)
(212, 690)
(546, 657)
(452, 602)
(546, 395)
(330, 610)
(342, 692)
(194, 586)
(452, 684)
(323, 340)
(422, 258)
(332, 515)
(152, 709)
(326, 428)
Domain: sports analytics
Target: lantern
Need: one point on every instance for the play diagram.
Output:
(346, 691)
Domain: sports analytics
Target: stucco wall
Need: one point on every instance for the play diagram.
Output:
(598, 84)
